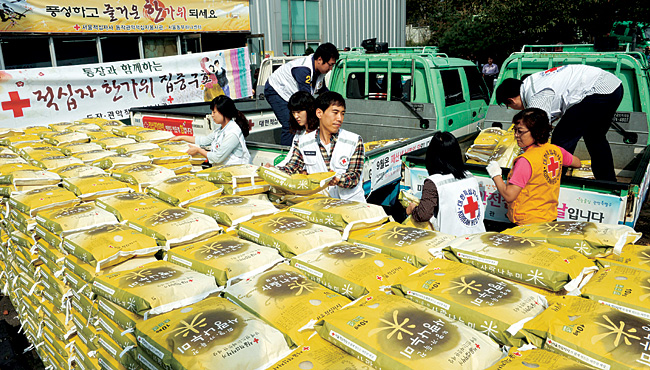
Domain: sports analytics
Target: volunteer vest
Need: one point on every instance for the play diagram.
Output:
(285, 85)
(296, 138)
(460, 209)
(570, 83)
(234, 158)
(339, 162)
(537, 201)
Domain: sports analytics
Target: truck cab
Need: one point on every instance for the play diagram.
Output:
(626, 31)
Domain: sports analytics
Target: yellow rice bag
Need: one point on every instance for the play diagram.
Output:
(94, 155)
(231, 210)
(160, 156)
(588, 238)
(176, 226)
(37, 200)
(26, 175)
(212, 334)
(110, 162)
(235, 175)
(258, 187)
(148, 135)
(407, 243)
(343, 215)
(92, 187)
(489, 136)
(297, 183)
(38, 152)
(405, 198)
(124, 130)
(78, 170)
(591, 333)
(8, 131)
(318, 353)
(135, 147)
(286, 299)
(185, 189)
(11, 140)
(82, 127)
(112, 142)
(56, 161)
(584, 171)
(289, 234)
(425, 225)
(111, 356)
(351, 270)
(632, 255)
(95, 135)
(142, 175)
(391, 332)
(35, 130)
(122, 317)
(115, 332)
(131, 206)
(492, 305)
(156, 288)
(60, 138)
(225, 257)
(179, 168)
(175, 146)
(537, 358)
(69, 220)
(520, 259)
(506, 150)
(75, 148)
(60, 126)
(8, 158)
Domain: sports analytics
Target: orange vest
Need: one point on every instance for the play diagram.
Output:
(538, 200)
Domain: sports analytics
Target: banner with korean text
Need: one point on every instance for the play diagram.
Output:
(41, 96)
(123, 16)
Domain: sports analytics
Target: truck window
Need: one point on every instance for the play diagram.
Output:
(620, 29)
(452, 87)
(355, 86)
(378, 85)
(477, 88)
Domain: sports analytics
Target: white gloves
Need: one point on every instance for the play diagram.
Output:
(493, 169)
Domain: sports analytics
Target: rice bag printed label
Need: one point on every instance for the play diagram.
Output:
(632, 255)
(43, 198)
(286, 299)
(235, 175)
(297, 183)
(132, 206)
(61, 138)
(181, 190)
(624, 288)
(78, 147)
(591, 239)
(92, 187)
(68, 220)
(78, 170)
(224, 257)
(25, 174)
(391, 332)
(592, 333)
(537, 358)
(289, 234)
(159, 156)
(410, 244)
(135, 147)
(156, 288)
(521, 259)
(339, 214)
(175, 226)
(110, 162)
(115, 332)
(124, 131)
(56, 161)
(152, 136)
(351, 270)
(489, 304)
(112, 356)
(231, 210)
(142, 175)
(258, 187)
(122, 317)
(112, 142)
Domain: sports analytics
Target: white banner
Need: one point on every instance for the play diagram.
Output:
(387, 167)
(42, 96)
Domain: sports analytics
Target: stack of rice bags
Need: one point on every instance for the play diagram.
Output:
(494, 144)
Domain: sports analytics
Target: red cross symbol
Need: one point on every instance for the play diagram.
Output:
(553, 166)
(170, 99)
(471, 207)
(76, 27)
(344, 161)
(256, 340)
(306, 348)
(477, 346)
(16, 104)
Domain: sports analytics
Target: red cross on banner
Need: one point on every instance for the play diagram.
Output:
(16, 104)
(471, 207)
(553, 166)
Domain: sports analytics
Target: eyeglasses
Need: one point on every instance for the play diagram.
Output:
(520, 132)
(331, 64)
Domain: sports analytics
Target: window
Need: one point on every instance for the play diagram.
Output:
(116, 48)
(476, 84)
(156, 46)
(73, 51)
(452, 87)
(300, 25)
(17, 56)
(355, 86)
(620, 29)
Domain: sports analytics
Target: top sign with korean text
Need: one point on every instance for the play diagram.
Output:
(124, 16)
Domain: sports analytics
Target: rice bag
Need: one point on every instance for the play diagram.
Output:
(112, 142)
(494, 306)
(297, 183)
(318, 353)
(405, 198)
(60, 126)
(9, 158)
(632, 255)
(160, 156)
(35, 130)
(286, 299)
(156, 288)
(407, 243)
(111, 356)
(124, 130)
(425, 225)
(390, 332)
(110, 162)
(60, 138)
(179, 168)
(41, 199)
(92, 187)
(95, 135)
(124, 318)
(131, 206)
(181, 190)
(94, 155)
(11, 140)
(236, 175)
(289, 234)
(121, 336)
(224, 257)
(147, 135)
(584, 171)
(589, 238)
(520, 259)
(537, 358)
(68, 220)
(56, 161)
(78, 147)
(176, 226)
(135, 147)
(82, 127)
(78, 170)
(258, 187)
(342, 215)
(232, 210)
(25, 174)
(351, 270)
(506, 150)
(142, 175)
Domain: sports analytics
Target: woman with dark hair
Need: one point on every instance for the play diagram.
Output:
(534, 182)
(226, 142)
(302, 119)
(451, 199)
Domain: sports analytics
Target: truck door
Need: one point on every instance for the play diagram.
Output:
(479, 97)
(455, 117)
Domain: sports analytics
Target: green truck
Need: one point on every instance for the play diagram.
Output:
(580, 199)
(637, 33)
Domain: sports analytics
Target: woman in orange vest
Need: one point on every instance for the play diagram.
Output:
(534, 182)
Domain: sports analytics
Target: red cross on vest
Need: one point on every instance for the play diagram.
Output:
(344, 161)
(15, 104)
(553, 166)
(471, 207)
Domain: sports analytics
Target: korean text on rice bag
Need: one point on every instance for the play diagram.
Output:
(527, 261)
(588, 238)
(231, 338)
(351, 270)
(175, 226)
(112, 142)
(181, 190)
(109, 245)
(69, 220)
(289, 234)
(225, 257)
(632, 255)
(78, 170)
(156, 288)
(258, 187)
(286, 299)
(142, 175)
(297, 183)
(231, 210)
(37, 200)
(410, 244)
(591, 333)
(492, 305)
(92, 187)
(391, 332)
(236, 175)
(131, 206)
(537, 358)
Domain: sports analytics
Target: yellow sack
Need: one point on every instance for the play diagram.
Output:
(95, 135)
(111, 356)
(8, 132)
(92, 187)
(632, 255)
(152, 136)
(159, 156)
(588, 238)
(110, 162)
(506, 150)
(182, 190)
(318, 353)
(94, 155)
(289, 234)
(78, 170)
(60, 126)
(75, 148)
(60, 138)
(406, 243)
(296, 183)
(131, 206)
(425, 225)
(142, 175)
(175, 146)
(35, 130)
(82, 127)
(236, 175)
(520, 259)
(391, 332)
(106, 124)
(112, 142)
(286, 299)
(124, 318)
(25, 148)
(26, 175)
(492, 305)
(12, 140)
(124, 131)
(9, 158)
(41, 199)
(258, 187)
(405, 198)
(179, 168)
(69, 220)
(176, 226)
(135, 147)
(584, 171)
(351, 270)
(231, 210)
(56, 161)
(537, 358)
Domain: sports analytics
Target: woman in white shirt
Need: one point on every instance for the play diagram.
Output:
(226, 142)
(302, 119)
